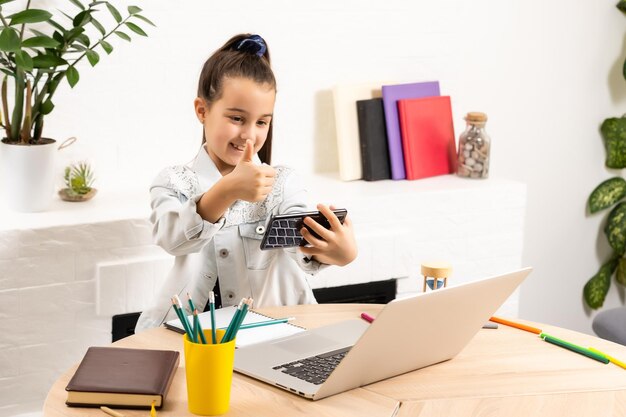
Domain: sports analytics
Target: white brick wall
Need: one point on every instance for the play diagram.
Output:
(61, 279)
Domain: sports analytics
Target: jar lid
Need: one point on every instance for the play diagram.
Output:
(476, 116)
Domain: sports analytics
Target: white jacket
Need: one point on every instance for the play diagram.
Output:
(228, 249)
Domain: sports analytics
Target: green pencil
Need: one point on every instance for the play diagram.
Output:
(574, 348)
(212, 308)
(183, 320)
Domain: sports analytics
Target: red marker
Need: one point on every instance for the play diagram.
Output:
(367, 317)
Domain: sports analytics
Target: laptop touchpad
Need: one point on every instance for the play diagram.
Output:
(306, 343)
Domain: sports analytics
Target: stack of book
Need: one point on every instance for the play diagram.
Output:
(394, 131)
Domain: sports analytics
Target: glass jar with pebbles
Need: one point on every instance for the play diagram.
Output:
(474, 147)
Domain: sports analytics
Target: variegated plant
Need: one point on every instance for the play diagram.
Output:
(38, 50)
(611, 193)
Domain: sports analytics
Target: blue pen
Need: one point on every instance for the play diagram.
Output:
(212, 308)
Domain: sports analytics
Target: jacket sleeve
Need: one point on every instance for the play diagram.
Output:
(296, 199)
(177, 227)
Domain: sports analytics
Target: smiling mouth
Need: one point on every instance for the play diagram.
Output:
(238, 147)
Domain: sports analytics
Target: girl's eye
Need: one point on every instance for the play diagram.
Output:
(236, 119)
(262, 123)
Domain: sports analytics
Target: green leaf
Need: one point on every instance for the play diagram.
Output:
(106, 46)
(98, 26)
(92, 57)
(136, 29)
(58, 37)
(615, 228)
(78, 4)
(40, 42)
(56, 25)
(83, 39)
(30, 16)
(72, 76)
(134, 10)
(614, 133)
(598, 286)
(5, 1)
(82, 18)
(122, 35)
(148, 21)
(96, 3)
(47, 61)
(620, 275)
(114, 12)
(622, 5)
(24, 61)
(606, 194)
(9, 40)
(46, 107)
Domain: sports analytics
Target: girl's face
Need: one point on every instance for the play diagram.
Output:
(243, 112)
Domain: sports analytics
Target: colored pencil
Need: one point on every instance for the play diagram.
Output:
(232, 324)
(610, 358)
(212, 308)
(574, 348)
(192, 306)
(516, 325)
(197, 327)
(265, 323)
(183, 320)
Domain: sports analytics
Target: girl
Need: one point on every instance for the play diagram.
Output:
(212, 215)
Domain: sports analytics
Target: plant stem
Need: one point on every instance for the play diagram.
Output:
(24, 24)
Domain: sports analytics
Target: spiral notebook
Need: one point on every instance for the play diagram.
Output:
(245, 337)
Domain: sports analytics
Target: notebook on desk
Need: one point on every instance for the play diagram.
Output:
(408, 334)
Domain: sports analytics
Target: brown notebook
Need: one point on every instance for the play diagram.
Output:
(120, 377)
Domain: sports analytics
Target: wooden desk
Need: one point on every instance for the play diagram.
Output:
(505, 372)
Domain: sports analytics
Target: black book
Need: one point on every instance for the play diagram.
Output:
(373, 139)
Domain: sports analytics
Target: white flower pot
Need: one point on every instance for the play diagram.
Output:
(27, 175)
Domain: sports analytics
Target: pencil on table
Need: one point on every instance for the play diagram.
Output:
(610, 358)
(574, 348)
(111, 412)
(516, 325)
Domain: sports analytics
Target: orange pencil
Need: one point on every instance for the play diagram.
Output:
(516, 325)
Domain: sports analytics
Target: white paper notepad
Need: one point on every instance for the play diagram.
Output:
(245, 337)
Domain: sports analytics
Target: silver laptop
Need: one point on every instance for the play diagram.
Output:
(407, 334)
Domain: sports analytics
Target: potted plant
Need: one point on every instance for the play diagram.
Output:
(611, 193)
(38, 51)
(78, 179)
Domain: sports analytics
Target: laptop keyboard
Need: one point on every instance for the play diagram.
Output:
(284, 233)
(315, 369)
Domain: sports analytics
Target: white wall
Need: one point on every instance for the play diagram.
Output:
(546, 73)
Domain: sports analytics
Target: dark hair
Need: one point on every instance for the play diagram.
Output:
(245, 56)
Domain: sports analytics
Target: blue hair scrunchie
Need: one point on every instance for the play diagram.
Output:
(253, 45)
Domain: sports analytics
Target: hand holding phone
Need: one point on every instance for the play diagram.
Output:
(283, 230)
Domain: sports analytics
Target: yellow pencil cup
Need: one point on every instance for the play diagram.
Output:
(209, 372)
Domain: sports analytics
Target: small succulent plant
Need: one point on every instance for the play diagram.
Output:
(78, 178)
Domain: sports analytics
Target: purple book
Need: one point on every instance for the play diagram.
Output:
(391, 95)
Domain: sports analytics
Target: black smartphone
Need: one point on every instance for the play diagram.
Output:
(283, 230)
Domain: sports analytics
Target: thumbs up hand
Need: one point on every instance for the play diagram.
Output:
(250, 182)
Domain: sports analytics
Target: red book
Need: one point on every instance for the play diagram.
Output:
(427, 136)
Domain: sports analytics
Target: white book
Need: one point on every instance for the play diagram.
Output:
(245, 337)
(345, 97)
